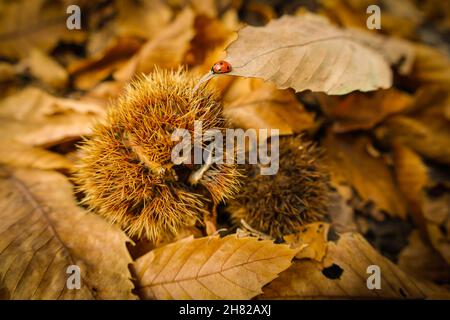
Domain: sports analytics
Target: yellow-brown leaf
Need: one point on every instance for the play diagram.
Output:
(211, 268)
(43, 232)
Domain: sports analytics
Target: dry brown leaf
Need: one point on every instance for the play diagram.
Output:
(340, 211)
(34, 104)
(311, 240)
(89, 72)
(420, 260)
(50, 131)
(211, 268)
(7, 72)
(411, 173)
(307, 53)
(45, 69)
(436, 211)
(398, 52)
(431, 66)
(45, 120)
(44, 232)
(19, 155)
(206, 31)
(400, 18)
(412, 178)
(351, 164)
(431, 213)
(343, 274)
(204, 7)
(164, 51)
(428, 134)
(239, 87)
(269, 108)
(142, 19)
(210, 36)
(359, 110)
(33, 24)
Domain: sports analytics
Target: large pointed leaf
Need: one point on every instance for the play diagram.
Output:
(307, 52)
(343, 274)
(211, 268)
(43, 232)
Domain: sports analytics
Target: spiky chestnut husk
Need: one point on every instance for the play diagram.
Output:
(279, 204)
(126, 172)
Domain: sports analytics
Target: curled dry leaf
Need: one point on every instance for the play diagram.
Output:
(401, 18)
(89, 72)
(20, 155)
(266, 107)
(44, 232)
(427, 134)
(307, 52)
(311, 241)
(211, 268)
(166, 50)
(420, 260)
(411, 173)
(431, 66)
(46, 69)
(340, 211)
(359, 110)
(142, 19)
(343, 274)
(36, 104)
(351, 164)
(50, 131)
(45, 120)
(431, 214)
(437, 215)
(7, 72)
(398, 52)
(18, 31)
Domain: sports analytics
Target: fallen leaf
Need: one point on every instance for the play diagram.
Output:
(430, 213)
(50, 131)
(420, 260)
(210, 35)
(164, 51)
(340, 211)
(142, 19)
(343, 274)
(311, 240)
(398, 52)
(7, 72)
(46, 69)
(89, 72)
(427, 134)
(269, 108)
(411, 173)
(436, 211)
(351, 164)
(204, 7)
(44, 232)
(45, 120)
(38, 24)
(400, 18)
(36, 104)
(362, 111)
(18, 155)
(431, 66)
(307, 53)
(211, 268)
